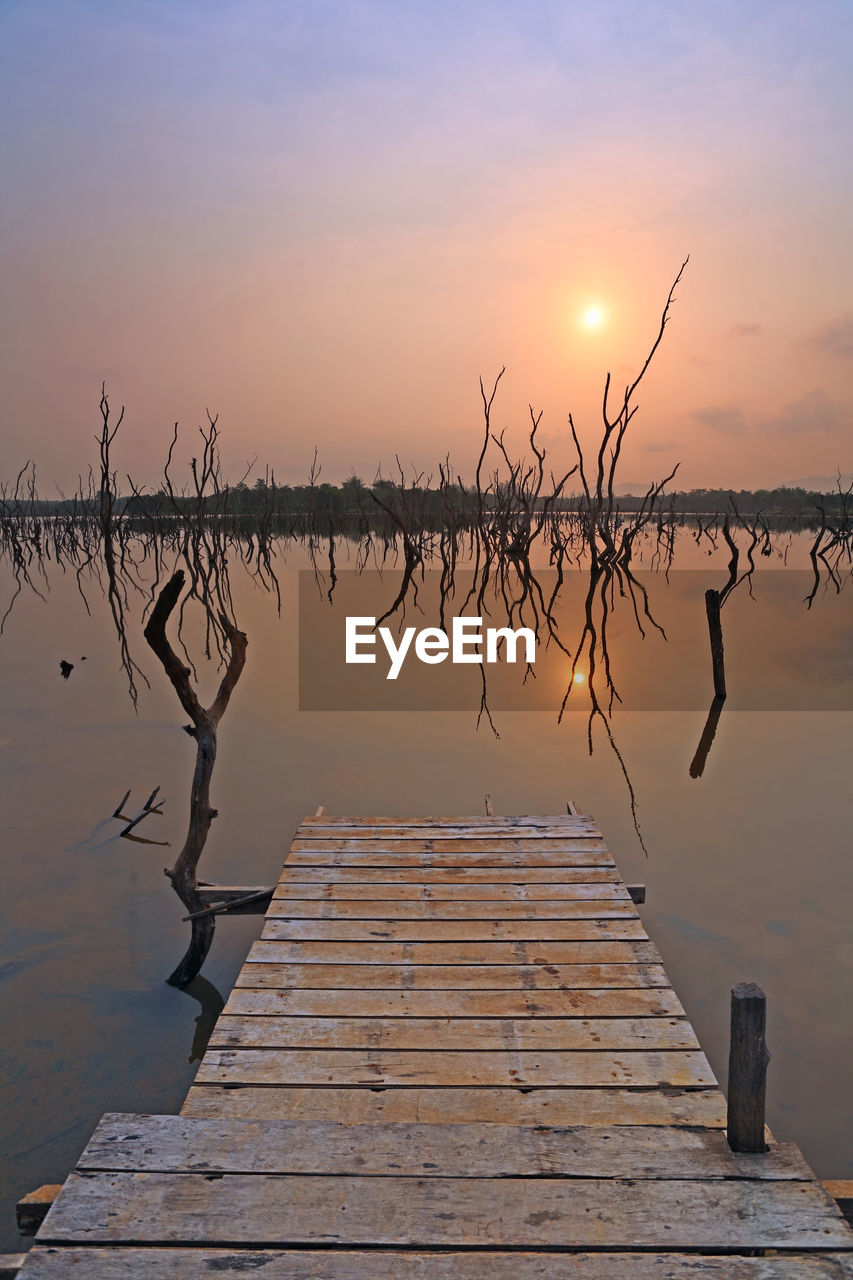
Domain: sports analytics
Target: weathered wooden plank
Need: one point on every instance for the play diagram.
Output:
(11, 1264)
(446, 1068)
(506, 1105)
(476, 828)
(478, 831)
(450, 875)
(480, 822)
(455, 930)
(425, 909)
(841, 1190)
(537, 820)
(106, 1262)
(376, 952)
(501, 1212)
(438, 820)
(287, 890)
(175, 1144)
(383, 857)
(432, 819)
(247, 1032)
(31, 1210)
(576, 851)
(437, 977)
(395, 858)
(584, 1003)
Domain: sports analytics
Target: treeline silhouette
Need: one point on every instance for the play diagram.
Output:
(353, 498)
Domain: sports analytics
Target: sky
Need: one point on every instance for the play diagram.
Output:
(325, 220)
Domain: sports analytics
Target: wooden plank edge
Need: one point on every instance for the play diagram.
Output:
(841, 1190)
(32, 1209)
(162, 1262)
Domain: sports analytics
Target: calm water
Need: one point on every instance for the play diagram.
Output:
(748, 871)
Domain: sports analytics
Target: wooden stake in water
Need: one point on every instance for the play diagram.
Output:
(715, 630)
(748, 1059)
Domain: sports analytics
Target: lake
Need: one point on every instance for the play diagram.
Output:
(748, 867)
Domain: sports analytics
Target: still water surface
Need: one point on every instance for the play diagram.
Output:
(748, 871)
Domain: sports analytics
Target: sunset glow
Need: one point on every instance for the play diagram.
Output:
(326, 222)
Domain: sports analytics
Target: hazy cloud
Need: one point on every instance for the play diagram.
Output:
(660, 446)
(750, 330)
(811, 412)
(822, 484)
(723, 418)
(835, 338)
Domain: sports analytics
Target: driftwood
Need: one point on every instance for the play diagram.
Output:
(236, 905)
(204, 722)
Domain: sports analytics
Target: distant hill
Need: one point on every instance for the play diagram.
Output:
(821, 484)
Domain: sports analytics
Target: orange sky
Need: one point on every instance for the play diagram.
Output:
(325, 221)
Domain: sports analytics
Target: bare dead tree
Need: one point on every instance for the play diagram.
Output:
(203, 727)
(118, 568)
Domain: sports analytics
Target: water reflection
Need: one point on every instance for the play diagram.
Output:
(211, 1004)
(509, 549)
(697, 764)
(88, 1024)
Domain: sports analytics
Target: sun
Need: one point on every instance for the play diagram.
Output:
(593, 317)
(578, 677)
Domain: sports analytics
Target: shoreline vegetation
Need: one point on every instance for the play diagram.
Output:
(353, 499)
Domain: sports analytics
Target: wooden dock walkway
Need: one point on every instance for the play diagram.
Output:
(453, 1054)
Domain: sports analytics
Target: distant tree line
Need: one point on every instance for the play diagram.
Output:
(353, 497)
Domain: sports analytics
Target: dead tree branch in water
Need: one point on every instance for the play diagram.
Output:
(118, 570)
(204, 723)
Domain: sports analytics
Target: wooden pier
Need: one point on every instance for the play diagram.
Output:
(453, 1054)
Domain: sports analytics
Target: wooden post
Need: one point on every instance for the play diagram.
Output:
(748, 1059)
(715, 630)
